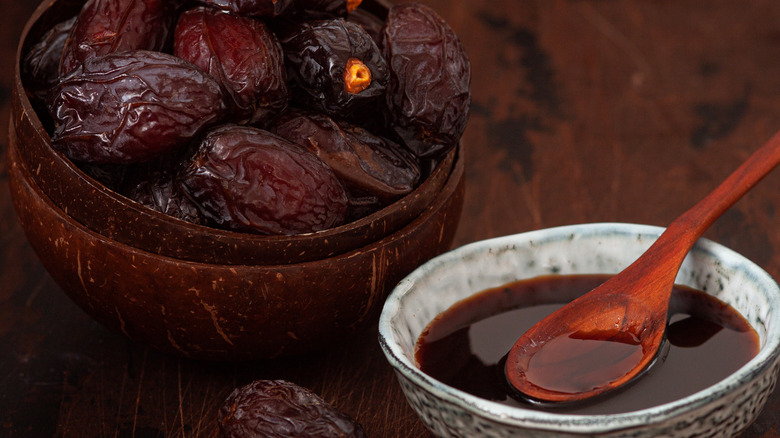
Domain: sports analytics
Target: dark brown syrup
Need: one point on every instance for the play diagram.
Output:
(464, 347)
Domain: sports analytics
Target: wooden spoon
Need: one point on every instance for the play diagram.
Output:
(609, 336)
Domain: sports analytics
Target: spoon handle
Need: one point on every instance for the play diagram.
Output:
(688, 227)
(635, 302)
(660, 263)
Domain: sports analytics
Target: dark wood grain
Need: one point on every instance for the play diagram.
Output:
(584, 111)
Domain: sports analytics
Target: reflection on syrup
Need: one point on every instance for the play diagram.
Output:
(466, 345)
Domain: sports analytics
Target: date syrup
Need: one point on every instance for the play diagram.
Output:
(466, 345)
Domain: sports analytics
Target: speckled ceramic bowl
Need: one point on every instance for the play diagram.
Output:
(723, 409)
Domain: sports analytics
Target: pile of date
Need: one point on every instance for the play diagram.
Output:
(260, 116)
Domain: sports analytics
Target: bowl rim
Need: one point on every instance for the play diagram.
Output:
(573, 423)
(449, 189)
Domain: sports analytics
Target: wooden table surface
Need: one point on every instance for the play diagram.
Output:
(583, 111)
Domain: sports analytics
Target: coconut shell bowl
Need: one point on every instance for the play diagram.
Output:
(203, 292)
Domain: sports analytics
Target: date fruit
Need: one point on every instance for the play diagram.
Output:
(242, 54)
(372, 24)
(247, 179)
(335, 64)
(255, 8)
(364, 162)
(129, 107)
(159, 190)
(430, 78)
(363, 99)
(41, 65)
(107, 26)
(282, 409)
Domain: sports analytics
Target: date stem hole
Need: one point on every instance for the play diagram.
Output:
(357, 76)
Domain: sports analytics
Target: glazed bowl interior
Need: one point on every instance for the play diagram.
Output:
(577, 249)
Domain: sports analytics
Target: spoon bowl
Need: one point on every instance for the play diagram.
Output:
(623, 321)
(658, 359)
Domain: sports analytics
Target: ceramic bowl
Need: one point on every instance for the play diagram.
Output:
(205, 293)
(723, 409)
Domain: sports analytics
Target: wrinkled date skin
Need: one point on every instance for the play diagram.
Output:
(318, 56)
(363, 161)
(372, 24)
(129, 107)
(430, 78)
(248, 179)
(242, 54)
(281, 409)
(107, 26)
(41, 64)
(159, 190)
(255, 8)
